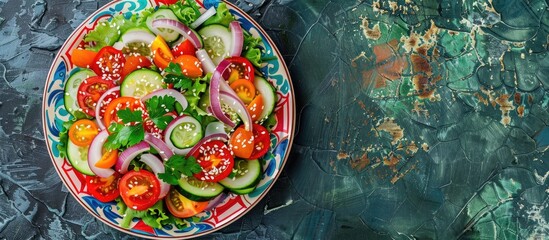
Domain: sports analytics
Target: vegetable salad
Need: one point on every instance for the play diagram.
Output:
(169, 112)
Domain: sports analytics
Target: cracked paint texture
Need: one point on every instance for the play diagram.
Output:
(416, 119)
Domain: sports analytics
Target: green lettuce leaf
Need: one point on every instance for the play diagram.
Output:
(186, 13)
(222, 16)
(156, 216)
(252, 49)
(107, 32)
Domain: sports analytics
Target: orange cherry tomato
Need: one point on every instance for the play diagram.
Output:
(245, 90)
(83, 58)
(118, 104)
(256, 107)
(108, 159)
(162, 55)
(182, 207)
(242, 142)
(190, 66)
(82, 132)
(133, 63)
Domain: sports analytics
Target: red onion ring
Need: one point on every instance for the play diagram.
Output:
(100, 105)
(238, 38)
(217, 136)
(168, 92)
(214, 128)
(95, 152)
(205, 16)
(157, 167)
(129, 154)
(215, 85)
(216, 201)
(207, 64)
(160, 146)
(238, 106)
(179, 27)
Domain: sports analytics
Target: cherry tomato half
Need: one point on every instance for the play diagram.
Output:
(162, 55)
(255, 108)
(104, 189)
(182, 207)
(139, 189)
(184, 48)
(89, 92)
(82, 132)
(262, 141)
(133, 63)
(108, 63)
(242, 142)
(190, 66)
(216, 161)
(120, 103)
(244, 89)
(240, 68)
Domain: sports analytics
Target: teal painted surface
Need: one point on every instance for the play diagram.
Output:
(425, 119)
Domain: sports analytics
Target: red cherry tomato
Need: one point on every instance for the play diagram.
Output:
(262, 141)
(104, 189)
(216, 161)
(108, 63)
(139, 189)
(89, 92)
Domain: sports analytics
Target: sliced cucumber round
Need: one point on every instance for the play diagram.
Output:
(268, 93)
(217, 41)
(243, 191)
(140, 83)
(187, 133)
(71, 89)
(168, 34)
(78, 157)
(247, 175)
(197, 190)
(137, 40)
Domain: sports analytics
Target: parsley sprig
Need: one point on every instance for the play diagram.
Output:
(132, 130)
(177, 166)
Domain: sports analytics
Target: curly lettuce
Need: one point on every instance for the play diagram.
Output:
(252, 49)
(107, 32)
(222, 16)
(186, 12)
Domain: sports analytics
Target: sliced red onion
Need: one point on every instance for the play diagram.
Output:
(100, 105)
(238, 38)
(216, 201)
(118, 45)
(217, 136)
(95, 152)
(168, 132)
(157, 166)
(214, 128)
(180, 28)
(215, 85)
(168, 92)
(160, 146)
(129, 154)
(207, 64)
(238, 106)
(205, 16)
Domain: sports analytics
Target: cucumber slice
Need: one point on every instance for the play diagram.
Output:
(243, 191)
(197, 190)
(71, 89)
(268, 92)
(217, 41)
(78, 157)
(168, 34)
(140, 83)
(247, 175)
(187, 133)
(137, 40)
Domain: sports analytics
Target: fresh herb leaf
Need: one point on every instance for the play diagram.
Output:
(174, 69)
(159, 106)
(162, 122)
(129, 116)
(124, 136)
(177, 166)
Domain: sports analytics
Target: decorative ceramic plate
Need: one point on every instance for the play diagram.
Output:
(234, 206)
